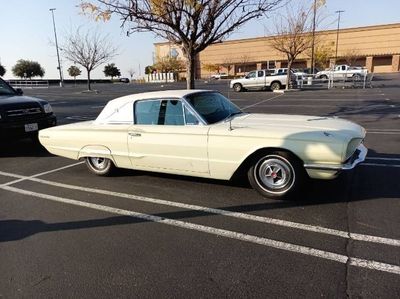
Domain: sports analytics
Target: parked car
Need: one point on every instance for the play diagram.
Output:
(343, 71)
(300, 75)
(201, 133)
(124, 80)
(219, 76)
(22, 116)
(261, 79)
(309, 71)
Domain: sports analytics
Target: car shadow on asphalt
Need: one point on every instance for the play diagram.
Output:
(22, 148)
(317, 193)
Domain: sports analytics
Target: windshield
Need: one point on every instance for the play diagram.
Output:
(5, 89)
(212, 106)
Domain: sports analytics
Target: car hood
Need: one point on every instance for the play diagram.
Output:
(18, 100)
(300, 126)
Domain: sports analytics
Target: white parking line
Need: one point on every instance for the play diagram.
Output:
(362, 263)
(274, 221)
(383, 133)
(382, 159)
(379, 165)
(258, 103)
(24, 178)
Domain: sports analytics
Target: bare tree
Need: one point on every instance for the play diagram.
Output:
(131, 72)
(293, 35)
(244, 60)
(88, 49)
(211, 67)
(193, 25)
(227, 63)
(351, 56)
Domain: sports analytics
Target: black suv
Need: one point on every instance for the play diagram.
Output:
(22, 116)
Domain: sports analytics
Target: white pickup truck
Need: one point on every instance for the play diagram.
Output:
(260, 79)
(343, 71)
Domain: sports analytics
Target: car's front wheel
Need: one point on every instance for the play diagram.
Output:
(276, 175)
(100, 166)
(237, 87)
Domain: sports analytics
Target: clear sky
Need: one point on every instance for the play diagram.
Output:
(26, 31)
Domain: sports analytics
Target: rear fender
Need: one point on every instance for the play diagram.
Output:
(95, 151)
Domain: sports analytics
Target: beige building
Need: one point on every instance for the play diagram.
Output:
(376, 47)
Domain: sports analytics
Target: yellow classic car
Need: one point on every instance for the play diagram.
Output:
(201, 133)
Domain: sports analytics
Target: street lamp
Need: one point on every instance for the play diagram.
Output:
(337, 33)
(313, 37)
(58, 54)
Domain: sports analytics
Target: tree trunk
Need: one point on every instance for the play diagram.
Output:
(190, 69)
(88, 80)
(288, 75)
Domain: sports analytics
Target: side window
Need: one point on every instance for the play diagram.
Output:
(260, 73)
(147, 112)
(251, 75)
(172, 112)
(343, 67)
(163, 112)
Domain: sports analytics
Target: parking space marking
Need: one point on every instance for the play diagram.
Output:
(263, 101)
(83, 118)
(379, 165)
(383, 131)
(216, 211)
(383, 159)
(361, 263)
(24, 178)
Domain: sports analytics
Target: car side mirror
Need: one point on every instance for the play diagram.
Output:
(246, 77)
(19, 91)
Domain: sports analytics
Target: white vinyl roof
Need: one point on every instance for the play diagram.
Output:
(119, 110)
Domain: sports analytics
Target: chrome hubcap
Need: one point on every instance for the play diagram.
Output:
(98, 163)
(274, 173)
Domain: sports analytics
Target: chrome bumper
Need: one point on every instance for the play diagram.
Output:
(358, 157)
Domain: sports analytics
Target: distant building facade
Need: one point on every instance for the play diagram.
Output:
(375, 47)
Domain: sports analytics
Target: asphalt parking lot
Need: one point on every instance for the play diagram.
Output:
(66, 233)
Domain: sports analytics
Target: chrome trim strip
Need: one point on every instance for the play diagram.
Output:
(347, 166)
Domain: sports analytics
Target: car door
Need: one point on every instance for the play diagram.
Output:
(251, 80)
(260, 79)
(340, 72)
(167, 137)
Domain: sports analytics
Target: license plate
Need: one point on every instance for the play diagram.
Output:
(31, 127)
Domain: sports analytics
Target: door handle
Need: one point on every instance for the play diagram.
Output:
(134, 134)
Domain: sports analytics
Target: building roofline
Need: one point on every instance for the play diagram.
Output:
(349, 29)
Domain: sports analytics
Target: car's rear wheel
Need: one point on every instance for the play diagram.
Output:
(275, 86)
(323, 77)
(356, 77)
(237, 87)
(276, 175)
(100, 166)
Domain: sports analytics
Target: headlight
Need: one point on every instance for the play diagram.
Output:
(352, 146)
(47, 108)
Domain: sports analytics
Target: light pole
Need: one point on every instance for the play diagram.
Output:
(58, 54)
(337, 33)
(313, 38)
